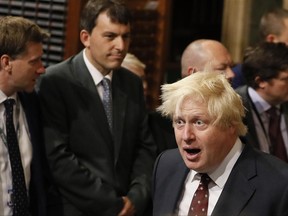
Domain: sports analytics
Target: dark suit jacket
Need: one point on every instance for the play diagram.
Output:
(251, 137)
(257, 185)
(37, 186)
(92, 170)
(162, 131)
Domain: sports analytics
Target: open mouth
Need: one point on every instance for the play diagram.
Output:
(192, 151)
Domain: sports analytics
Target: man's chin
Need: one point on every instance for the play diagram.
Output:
(115, 65)
(29, 89)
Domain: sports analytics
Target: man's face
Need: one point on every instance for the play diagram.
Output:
(222, 62)
(107, 44)
(26, 68)
(275, 91)
(202, 146)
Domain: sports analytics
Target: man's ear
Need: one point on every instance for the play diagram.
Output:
(272, 38)
(5, 63)
(85, 38)
(191, 70)
(260, 83)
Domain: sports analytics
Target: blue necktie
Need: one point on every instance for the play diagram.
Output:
(19, 194)
(107, 101)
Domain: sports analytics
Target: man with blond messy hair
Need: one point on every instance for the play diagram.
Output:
(237, 179)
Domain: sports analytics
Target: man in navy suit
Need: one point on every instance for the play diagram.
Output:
(20, 59)
(207, 118)
(97, 168)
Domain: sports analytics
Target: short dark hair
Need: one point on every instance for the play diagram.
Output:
(116, 10)
(16, 32)
(272, 22)
(265, 60)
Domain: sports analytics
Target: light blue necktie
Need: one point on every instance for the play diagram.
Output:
(107, 101)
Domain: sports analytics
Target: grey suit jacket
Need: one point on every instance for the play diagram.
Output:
(251, 137)
(257, 185)
(91, 169)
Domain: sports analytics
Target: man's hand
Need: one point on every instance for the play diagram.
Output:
(128, 209)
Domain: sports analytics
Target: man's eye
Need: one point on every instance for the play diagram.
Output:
(35, 61)
(109, 36)
(221, 70)
(199, 122)
(178, 122)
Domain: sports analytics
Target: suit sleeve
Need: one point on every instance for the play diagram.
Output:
(145, 154)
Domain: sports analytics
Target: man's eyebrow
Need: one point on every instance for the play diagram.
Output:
(34, 59)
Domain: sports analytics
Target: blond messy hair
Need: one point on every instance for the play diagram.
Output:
(224, 105)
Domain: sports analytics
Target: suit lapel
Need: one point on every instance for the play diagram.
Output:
(119, 113)
(31, 114)
(81, 73)
(90, 95)
(239, 188)
(248, 120)
(175, 189)
(30, 106)
(170, 183)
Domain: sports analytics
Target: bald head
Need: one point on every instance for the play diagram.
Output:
(206, 54)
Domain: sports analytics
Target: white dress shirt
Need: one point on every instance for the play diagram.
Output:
(96, 75)
(215, 187)
(25, 148)
(262, 133)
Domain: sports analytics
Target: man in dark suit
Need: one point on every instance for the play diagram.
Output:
(239, 180)
(265, 68)
(101, 163)
(20, 59)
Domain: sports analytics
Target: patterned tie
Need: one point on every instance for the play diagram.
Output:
(276, 139)
(199, 204)
(19, 194)
(107, 101)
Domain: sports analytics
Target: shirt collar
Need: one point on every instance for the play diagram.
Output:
(3, 97)
(222, 172)
(260, 104)
(95, 73)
